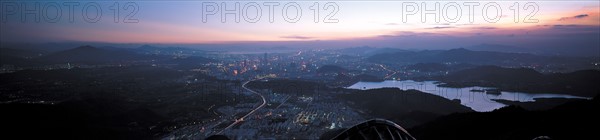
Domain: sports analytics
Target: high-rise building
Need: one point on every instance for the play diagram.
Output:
(265, 60)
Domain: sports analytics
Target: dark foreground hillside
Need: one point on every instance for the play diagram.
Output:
(81, 119)
(573, 120)
(406, 107)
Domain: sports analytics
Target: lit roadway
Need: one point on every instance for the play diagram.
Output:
(388, 76)
(264, 101)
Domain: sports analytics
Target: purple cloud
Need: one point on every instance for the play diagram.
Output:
(574, 17)
(441, 27)
(486, 28)
(297, 37)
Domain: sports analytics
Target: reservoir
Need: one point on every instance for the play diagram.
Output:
(473, 97)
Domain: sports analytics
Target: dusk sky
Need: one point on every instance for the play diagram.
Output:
(303, 69)
(376, 23)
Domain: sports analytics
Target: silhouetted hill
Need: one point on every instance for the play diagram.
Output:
(89, 55)
(367, 78)
(571, 120)
(148, 48)
(17, 57)
(384, 50)
(44, 48)
(495, 74)
(344, 80)
(399, 105)
(331, 69)
(499, 48)
(12, 60)
(19, 53)
(538, 104)
(79, 119)
(580, 83)
(134, 102)
(428, 67)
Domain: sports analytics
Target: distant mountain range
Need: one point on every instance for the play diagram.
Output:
(17, 56)
(90, 55)
(500, 48)
(496, 74)
(368, 51)
(462, 55)
(391, 56)
(105, 55)
(147, 49)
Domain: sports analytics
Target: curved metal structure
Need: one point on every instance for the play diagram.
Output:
(375, 129)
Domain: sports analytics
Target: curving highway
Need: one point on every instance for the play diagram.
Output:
(390, 75)
(264, 102)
